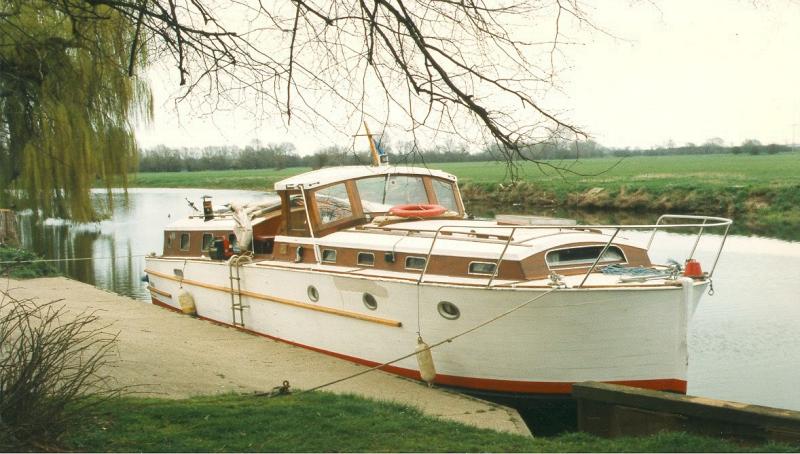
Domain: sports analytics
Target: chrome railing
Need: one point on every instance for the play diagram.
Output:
(708, 222)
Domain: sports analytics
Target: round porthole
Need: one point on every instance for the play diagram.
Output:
(448, 310)
(369, 301)
(313, 293)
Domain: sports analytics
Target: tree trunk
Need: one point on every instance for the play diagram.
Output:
(8, 228)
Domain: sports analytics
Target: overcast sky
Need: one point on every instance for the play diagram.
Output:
(681, 70)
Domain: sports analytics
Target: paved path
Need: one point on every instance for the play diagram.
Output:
(167, 354)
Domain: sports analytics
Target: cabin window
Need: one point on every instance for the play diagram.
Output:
(445, 194)
(232, 239)
(170, 239)
(184, 241)
(486, 268)
(402, 189)
(329, 255)
(415, 263)
(583, 256)
(366, 259)
(208, 241)
(333, 203)
(313, 293)
(372, 192)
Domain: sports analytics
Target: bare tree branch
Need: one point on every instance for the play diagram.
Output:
(450, 67)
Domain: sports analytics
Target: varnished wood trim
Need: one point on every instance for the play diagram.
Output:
(275, 299)
(426, 182)
(159, 292)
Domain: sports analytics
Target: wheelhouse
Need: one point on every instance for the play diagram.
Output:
(325, 201)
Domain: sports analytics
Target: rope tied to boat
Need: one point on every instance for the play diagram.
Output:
(619, 269)
(641, 273)
(281, 390)
(428, 348)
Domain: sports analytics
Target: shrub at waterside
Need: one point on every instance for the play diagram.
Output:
(22, 264)
(50, 371)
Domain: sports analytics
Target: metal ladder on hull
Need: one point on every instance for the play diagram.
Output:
(237, 306)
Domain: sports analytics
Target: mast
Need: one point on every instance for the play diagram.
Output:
(379, 157)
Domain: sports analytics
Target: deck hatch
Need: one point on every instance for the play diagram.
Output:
(583, 256)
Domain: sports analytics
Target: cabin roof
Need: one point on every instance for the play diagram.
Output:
(330, 175)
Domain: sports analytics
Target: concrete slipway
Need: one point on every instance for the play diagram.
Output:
(166, 354)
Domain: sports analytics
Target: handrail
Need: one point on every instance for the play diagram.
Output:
(697, 240)
(707, 222)
(428, 257)
(599, 256)
(500, 259)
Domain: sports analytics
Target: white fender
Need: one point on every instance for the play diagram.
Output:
(186, 301)
(427, 370)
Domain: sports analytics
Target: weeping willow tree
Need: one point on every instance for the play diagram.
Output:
(68, 103)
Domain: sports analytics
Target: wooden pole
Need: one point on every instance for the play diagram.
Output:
(376, 160)
(8, 228)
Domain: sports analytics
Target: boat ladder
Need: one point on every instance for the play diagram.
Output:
(237, 306)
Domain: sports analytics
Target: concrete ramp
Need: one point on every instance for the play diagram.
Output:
(166, 354)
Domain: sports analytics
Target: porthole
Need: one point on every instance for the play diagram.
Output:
(448, 310)
(369, 301)
(313, 293)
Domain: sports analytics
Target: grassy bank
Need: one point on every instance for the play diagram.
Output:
(761, 191)
(323, 422)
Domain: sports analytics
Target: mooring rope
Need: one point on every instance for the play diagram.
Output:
(431, 347)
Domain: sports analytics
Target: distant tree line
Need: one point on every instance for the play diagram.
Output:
(282, 155)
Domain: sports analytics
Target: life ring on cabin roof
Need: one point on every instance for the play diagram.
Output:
(417, 210)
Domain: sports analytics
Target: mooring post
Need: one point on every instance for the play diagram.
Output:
(8, 228)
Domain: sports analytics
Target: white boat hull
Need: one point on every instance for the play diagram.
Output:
(632, 335)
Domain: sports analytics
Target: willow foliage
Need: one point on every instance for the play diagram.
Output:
(67, 105)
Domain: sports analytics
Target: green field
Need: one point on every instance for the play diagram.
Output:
(722, 170)
(324, 422)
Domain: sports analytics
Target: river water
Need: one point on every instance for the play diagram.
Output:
(744, 341)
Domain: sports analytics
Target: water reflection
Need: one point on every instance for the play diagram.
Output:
(110, 254)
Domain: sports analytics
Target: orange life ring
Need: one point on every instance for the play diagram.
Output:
(417, 210)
